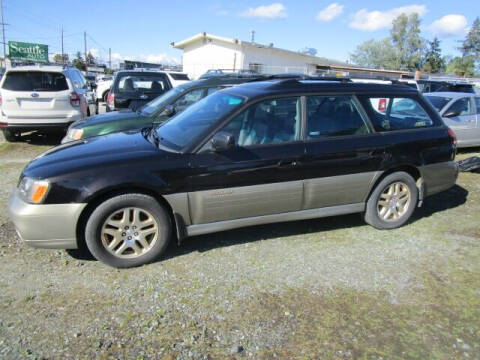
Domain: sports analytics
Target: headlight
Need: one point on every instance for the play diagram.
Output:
(33, 191)
(74, 134)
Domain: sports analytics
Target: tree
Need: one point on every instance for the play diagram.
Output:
(462, 66)
(90, 59)
(407, 42)
(471, 44)
(402, 50)
(376, 54)
(59, 59)
(433, 62)
(79, 62)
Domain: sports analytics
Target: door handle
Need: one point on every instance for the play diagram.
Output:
(288, 163)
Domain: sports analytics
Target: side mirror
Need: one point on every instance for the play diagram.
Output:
(222, 141)
(450, 114)
(169, 111)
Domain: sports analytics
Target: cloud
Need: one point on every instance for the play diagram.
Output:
(449, 25)
(159, 59)
(330, 12)
(374, 20)
(272, 11)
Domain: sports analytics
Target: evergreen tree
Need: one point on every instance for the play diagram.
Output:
(433, 61)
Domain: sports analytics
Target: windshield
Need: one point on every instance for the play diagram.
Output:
(161, 101)
(192, 124)
(438, 102)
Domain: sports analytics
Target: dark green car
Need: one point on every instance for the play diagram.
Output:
(157, 111)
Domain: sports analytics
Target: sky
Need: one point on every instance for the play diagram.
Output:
(143, 30)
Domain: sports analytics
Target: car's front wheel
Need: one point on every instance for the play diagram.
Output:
(128, 230)
(392, 202)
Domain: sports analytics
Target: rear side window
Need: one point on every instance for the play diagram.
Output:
(179, 76)
(35, 81)
(330, 116)
(188, 99)
(155, 84)
(399, 113)
(438, 102)
(461, 107)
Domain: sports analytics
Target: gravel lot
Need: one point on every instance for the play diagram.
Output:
(325, 288)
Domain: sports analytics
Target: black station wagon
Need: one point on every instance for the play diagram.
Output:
(262, 152)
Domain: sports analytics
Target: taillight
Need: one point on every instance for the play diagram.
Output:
(453, 136)
(111, 101)
(74, 99)
(1, 101)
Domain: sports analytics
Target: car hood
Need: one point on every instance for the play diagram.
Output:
(106, 118)
(102, 152)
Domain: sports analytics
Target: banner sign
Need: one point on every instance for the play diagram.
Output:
(27, 51)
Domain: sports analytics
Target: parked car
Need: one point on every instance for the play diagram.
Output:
(177, 78)
(104, 83)
(461, 112)
(157, 111)
(256, 153)
(132, 89)
(45, 98)
(427, 86)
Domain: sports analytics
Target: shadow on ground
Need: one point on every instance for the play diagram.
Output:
(36, 138)
(449, 199)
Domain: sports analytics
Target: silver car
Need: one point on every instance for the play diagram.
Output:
(461, 112)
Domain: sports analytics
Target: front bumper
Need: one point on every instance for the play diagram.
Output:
(45, 226)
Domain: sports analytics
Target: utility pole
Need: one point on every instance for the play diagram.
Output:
(109, 58)
(85, 46)
(63, 56)
(253, 36)
(3, 35)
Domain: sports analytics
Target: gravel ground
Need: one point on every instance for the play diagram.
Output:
(325, 288)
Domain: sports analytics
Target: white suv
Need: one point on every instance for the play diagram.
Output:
(104, 83)
(41, 98)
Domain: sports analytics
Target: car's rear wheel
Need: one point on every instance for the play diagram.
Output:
(128, 230)
(392, 202)
(10, 135)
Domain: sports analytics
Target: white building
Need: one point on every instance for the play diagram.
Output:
(204, 51)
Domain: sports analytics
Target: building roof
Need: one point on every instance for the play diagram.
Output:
(200, 36)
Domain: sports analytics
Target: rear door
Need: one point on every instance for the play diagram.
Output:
(35, 97)
(343, 153)
(465, 124)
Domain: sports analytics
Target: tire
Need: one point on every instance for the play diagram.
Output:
(10, 135)
(122, 245)
(97, 105)
(392, 202)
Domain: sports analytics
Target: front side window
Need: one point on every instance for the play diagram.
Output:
(399, 113)
(35, 81)
(267, 122)
(329, 116)
(154, 84)
(477, 102)
(196, 121)
(461, 107)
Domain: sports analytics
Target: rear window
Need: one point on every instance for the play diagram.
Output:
(399, 113)
(35, 81)
(179, 76)
(142, 84)
(438, 102)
